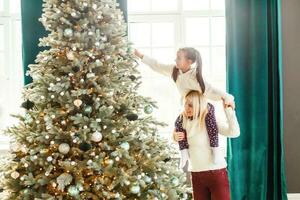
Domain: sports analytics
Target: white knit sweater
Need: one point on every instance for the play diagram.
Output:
(187, 81)
(200, 152)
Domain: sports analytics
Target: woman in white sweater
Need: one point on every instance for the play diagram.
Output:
(209, 179)
(185, 76)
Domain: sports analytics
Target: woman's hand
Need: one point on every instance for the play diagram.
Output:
(178, 136)
(138, 54)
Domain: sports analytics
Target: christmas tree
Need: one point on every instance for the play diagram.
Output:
(86, 133)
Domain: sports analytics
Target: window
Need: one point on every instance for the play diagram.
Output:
(159, 28)
(11, 74)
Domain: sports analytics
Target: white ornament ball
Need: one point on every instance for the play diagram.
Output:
(73, 191)
(49, 158)
(175, 181)
(68, 32)
(89, 162)
(96, 137)
(70, 55)
(135, 189)
(15, 175)
(125, 146)
(64, 148)
(77, 103)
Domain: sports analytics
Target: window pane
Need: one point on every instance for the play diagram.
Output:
(3, 65)
(18, 36)
(138, 5)
(165, 5)
(15, 6)
(197, 31)
(163, 34)
(140, 34)
(2, 38)
(218, 62)
(163, 91)
(218, 30)
(145, 70)
(195, 4)
(205, 55)
(218, 4)
(18, 74)
(1, 5)
(164, 55)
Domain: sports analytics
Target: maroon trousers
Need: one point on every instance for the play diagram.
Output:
(211, 185)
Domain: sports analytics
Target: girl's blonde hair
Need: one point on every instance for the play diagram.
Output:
(199, 103)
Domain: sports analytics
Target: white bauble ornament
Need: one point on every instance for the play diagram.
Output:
(135, 189)
(96, 137)
(64, 148)
(125, 146)
(15, 175)
(77, 103)
(70, 55)
(68, 32)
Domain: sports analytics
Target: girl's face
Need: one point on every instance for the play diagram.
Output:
(181, 62)
(188, 108)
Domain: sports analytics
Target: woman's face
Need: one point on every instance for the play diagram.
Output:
(181, 62)
(188, 108)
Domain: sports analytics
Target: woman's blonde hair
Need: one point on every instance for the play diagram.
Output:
(199, 103)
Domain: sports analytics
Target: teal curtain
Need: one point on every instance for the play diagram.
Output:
(254, 74)
(32, 30)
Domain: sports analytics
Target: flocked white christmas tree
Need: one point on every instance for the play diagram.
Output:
(86, 132)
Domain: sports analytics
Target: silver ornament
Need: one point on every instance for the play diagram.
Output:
(148, 109)
(96, 137)
(77, 103)
(64, 148)
(49, 158)
(70, 55)
(15, 175)
(135, 189)
(125, 146)
(73, 191)
(68, 32)
(88, 110)
(175, 181)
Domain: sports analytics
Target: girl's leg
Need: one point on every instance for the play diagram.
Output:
(200, 188)
(219, 187)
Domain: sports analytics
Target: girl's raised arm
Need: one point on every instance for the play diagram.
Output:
(211, 92)
(164, 69)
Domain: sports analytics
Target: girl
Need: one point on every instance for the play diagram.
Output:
(209, 179)
(186, 77)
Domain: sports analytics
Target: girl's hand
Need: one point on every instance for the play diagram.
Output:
(138, 54)
(178, 136)
(231, 104)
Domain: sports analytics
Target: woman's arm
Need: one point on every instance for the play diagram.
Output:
(231, 128)
(164, 69)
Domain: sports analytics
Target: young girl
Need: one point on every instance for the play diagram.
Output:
(185, 76)
(209, 179)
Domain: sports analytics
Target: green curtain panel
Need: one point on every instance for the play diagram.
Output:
(32, 30)
(255, 159)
